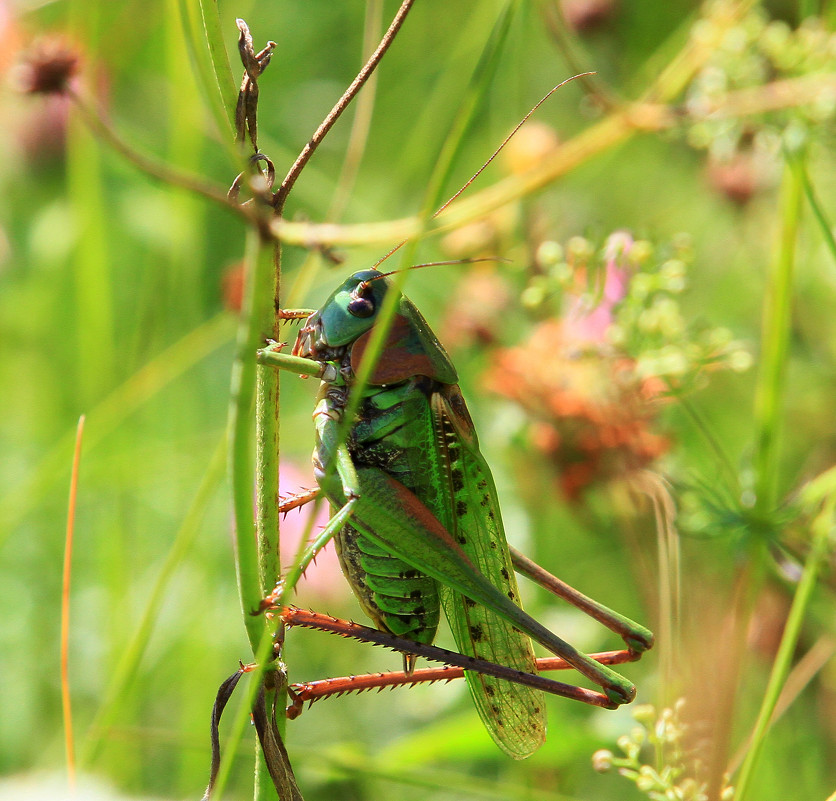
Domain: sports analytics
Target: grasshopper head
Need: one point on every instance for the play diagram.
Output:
(348, 313)
(344, 324)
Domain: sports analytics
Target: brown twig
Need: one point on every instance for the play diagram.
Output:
(97, 121)
(246, 110)
(293, 173)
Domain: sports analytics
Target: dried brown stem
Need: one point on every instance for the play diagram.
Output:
(293, 173)
(99, 123)
(246, 111)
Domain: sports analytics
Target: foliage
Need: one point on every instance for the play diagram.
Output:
(120, 276)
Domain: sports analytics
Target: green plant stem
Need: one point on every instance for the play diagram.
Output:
(257, 538)
(161, 170)
(822, 529)
(770, 388)
(267, 475)
(769, 393)
(258, 262)
(816, 207)
(267, 492)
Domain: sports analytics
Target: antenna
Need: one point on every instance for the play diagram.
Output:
(482, 168)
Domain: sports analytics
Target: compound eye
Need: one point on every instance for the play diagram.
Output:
(360, 305)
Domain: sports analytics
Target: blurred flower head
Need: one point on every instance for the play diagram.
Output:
(591, 417)
(232, 286)
(612, 347)
(752, 64)
(47, 67)
(474, 317)
(587, 15)
(529, 146)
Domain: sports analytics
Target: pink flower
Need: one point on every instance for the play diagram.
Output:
(323, 581)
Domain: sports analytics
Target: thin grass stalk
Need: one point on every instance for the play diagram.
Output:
(267, 474)
(769, 394)
(66, 701)
(92, 265)
(815, 206)
(363, 113)
(257, 538)
(469, 107)
(574, 54)
(151, 165)
(458, 60)
(186, 256)
(267, 502)
(200, 58)
(822, 530)
(771, 384)
(802, 673)
(93, 286)
(224, 79)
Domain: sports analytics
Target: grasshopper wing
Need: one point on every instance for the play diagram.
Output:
(514, 715)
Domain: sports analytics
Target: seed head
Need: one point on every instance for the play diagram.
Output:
(47, 67)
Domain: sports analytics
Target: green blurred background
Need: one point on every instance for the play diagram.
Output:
(115, 295)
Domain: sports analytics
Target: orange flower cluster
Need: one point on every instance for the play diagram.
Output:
(591, 416)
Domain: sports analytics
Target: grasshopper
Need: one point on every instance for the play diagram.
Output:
(415, 513)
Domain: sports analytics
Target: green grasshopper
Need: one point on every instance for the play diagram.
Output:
(415, 512)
